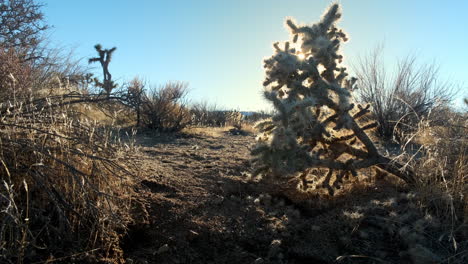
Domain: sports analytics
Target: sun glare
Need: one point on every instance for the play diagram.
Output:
(301, 56)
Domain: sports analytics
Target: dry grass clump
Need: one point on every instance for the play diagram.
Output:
(249, 128)
(443, 168)
(206, 131)
(438, 155)
(109, 114)
(64, 195)
(205, 115)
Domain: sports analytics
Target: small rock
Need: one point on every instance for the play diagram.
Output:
(257, 201)
(274, 248)
(164, 248)
(192, 235)
(259, 261)
(217, 200)
(275, 243)
(246, 174)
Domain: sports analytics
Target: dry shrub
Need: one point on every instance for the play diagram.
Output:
(439, 158)
(400, 98)
(443, 168)
(164, 108)
(22, 25)
(257, 116)
(57, 73)
(203, 114)
(15, 76)
(134, 93)
(108, 113)
(64, 195)
(60, 72)
(28, 62)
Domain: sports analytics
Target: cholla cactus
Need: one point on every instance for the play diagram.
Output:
(316, 122)
(235, 119)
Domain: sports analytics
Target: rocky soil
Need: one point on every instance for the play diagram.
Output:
(196, 205)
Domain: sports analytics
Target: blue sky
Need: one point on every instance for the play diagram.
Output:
(218, 46)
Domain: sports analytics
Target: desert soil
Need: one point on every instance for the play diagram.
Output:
(197, 206)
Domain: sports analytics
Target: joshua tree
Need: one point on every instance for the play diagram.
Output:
(316, 124)
(105, 57)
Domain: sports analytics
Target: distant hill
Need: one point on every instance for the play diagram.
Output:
(246, 113)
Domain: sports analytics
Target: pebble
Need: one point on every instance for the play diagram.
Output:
(192, 235)
(164, 248)
(274, 248)
(257, 201)
(217, 200)
(259, 261)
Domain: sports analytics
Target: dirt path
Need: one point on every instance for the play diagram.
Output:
(191, 189)
(199, 208)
